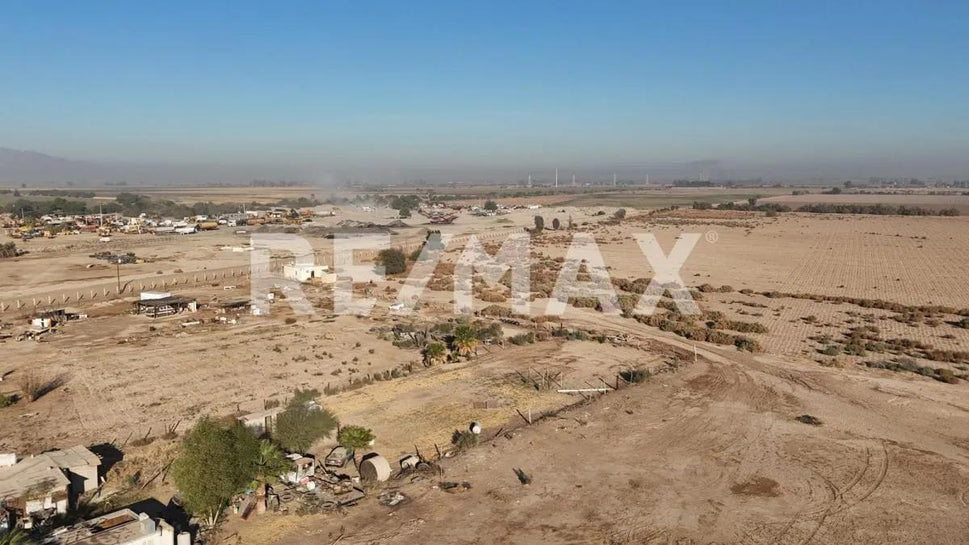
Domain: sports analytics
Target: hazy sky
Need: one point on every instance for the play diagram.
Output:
(462, 85)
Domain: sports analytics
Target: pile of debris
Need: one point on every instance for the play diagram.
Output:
(310, 488)
(123, 259)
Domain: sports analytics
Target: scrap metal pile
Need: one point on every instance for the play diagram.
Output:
(318, 494)
(123, 259)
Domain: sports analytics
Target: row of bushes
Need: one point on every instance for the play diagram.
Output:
(859, 341)
(911, 366)
(876, 209)
(879, 304)
(686, 327)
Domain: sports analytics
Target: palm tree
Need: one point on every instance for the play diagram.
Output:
(465, 342)
(271, 462)
(354, 438)
(15, 537)
(434, 353)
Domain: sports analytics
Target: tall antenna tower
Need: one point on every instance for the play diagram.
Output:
(556, 178)
(573, 180)
(613, 179)
(529, 180)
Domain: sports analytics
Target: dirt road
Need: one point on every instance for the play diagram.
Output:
(710, 454)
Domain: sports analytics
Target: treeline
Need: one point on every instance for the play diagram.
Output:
(830, 208)
(876, 209)
(275, 183)
(32, 208)
(133, 204)
(745, 207)
(50, 193)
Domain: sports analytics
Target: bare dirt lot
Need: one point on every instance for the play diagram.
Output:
(854, 320)
(711, 454)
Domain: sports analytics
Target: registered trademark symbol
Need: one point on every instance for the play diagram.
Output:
(711, 236)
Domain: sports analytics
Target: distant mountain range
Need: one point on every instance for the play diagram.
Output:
(29, 167)
(18, 166)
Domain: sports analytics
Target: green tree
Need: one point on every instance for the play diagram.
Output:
(215, 462)
(539, 224)
(393, 260)
(303, 422)
(490, 205)
(465, 340)
(355, 438)
(556, 224)
(620, 214)
(434, 353)
(271, 462)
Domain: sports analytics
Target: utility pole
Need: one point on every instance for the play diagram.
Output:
(118, 263)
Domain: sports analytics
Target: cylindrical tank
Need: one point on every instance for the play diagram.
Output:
(475, 428)
(375, 468)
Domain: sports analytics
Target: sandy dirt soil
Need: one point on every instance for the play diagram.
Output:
(710, 453)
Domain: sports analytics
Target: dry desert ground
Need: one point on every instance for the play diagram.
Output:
(851, 319)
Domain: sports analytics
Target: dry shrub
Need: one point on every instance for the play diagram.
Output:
(33, 386)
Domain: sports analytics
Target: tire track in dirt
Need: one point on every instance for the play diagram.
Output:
(874, 468)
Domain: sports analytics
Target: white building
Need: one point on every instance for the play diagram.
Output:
(309, 273)
(44, 483)
(81, 466)
(34, 486)
(124, 527)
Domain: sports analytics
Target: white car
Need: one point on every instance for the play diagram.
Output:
(397, 307)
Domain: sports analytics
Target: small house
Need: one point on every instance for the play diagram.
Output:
(308, 273)
(34, 488)
(41, 486)
(261, 422)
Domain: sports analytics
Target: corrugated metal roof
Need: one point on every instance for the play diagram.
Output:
(36, 476)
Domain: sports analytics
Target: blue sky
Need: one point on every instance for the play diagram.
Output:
(470, 86)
